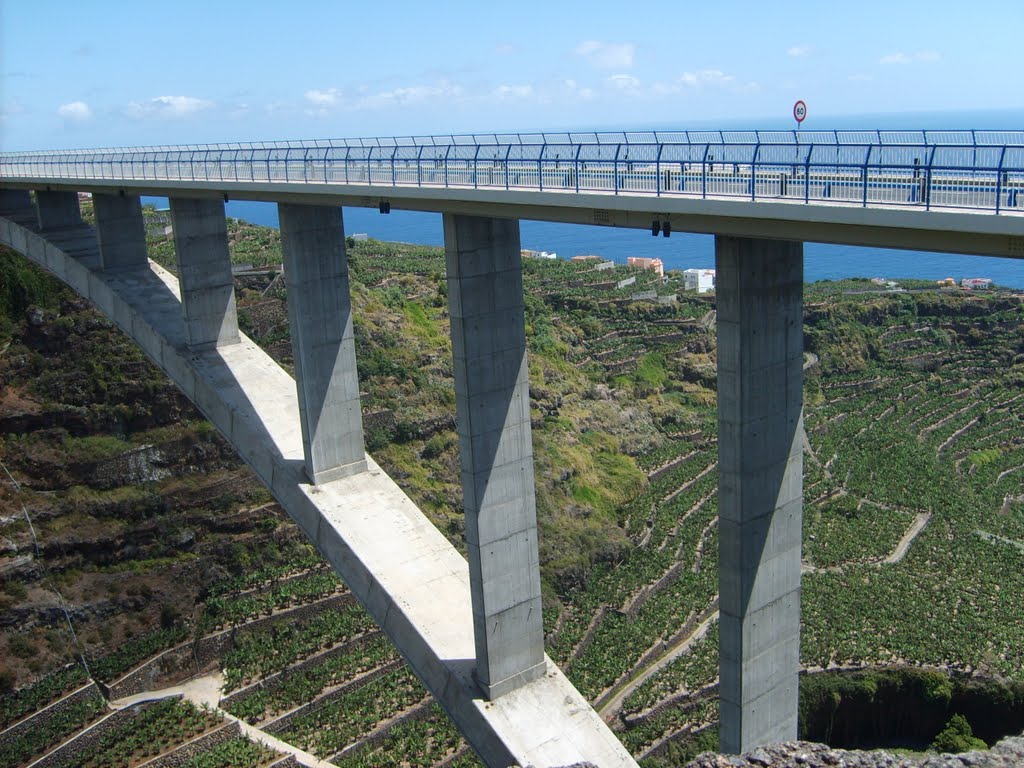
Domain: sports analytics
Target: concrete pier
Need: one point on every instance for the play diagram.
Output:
(204, 272)
(120, 230)
(485, 297)
(16, 204)
(320, 317)
(760, 397)
(58, 210)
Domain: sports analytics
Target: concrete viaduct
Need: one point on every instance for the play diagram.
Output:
(474, 632)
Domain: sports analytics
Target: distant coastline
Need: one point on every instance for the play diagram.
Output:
(682, 250)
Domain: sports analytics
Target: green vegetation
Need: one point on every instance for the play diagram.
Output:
(957, 736)
(154, 729)
(236, 753)
(915, 428)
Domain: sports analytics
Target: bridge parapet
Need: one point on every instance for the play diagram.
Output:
(959, 170)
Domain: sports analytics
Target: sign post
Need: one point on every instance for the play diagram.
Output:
(799, 112)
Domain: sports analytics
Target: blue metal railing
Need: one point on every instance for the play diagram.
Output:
(973, 170)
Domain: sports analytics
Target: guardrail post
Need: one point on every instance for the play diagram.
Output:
(204, 273)
(323, 342)
(485, 299)
(759, 285)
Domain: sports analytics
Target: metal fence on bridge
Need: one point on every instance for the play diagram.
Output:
(974, 170)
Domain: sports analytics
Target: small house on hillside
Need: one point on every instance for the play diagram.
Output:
(655, 265)
(976, 283)
(699, 280)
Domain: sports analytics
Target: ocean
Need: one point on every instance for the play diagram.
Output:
(684, 250)
(680, 251)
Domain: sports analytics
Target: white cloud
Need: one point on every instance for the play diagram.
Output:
(607, 55)
(895, 58)
(906, 58)
(504, 92)
(799, 51)
(506, 49)
(10, 109)
(167, 107)
(624, 82)
(709, 77)
(75, 111)
(328, 98)
(444, 91)
(859, 77)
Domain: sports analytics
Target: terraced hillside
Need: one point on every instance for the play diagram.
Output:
(122, 507)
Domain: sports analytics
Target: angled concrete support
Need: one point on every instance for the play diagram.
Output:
(58, 210)
(204, 272)
(485, 297)
(323, 344)
(759, 286)
(120, 230)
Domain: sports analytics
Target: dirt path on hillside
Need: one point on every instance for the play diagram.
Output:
(897, 554)
(611, 707)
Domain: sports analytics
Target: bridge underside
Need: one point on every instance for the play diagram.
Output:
(412, 581)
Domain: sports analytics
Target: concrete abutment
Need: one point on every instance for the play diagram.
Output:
(759, 286)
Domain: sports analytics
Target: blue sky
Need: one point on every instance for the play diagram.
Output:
(103, 73)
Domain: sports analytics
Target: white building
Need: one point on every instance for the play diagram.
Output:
(699, 280)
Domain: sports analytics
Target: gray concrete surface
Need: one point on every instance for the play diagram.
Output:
(58, 210)
(204, 269)
(323, 344)
(120, 231)
(884, 226)
(760, 398)
(16, 204)
(412, 581)
(492, 393)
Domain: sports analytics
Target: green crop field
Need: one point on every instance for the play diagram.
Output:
(913, 502)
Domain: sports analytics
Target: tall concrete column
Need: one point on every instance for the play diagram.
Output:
(16, 204)
(204, 272)
(320, 317)
(485, 299)
(759, 285)
(58, 210)
(120, 230)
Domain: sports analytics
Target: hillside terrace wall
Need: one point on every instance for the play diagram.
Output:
(282, 723)
(43, 716)
(419, 712)
(89, 739)
(197, 746)
(277, 679)
(196, 655)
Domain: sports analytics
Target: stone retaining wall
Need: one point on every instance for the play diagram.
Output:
(202, 743)
(37, 719)
(281, 723)
(89, 738)
(271, 682)
(419, 712)
(681, 701)
(194, 656)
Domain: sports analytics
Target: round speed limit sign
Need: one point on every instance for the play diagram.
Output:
(799, 111)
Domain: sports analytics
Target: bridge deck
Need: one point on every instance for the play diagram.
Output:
(409, 577)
